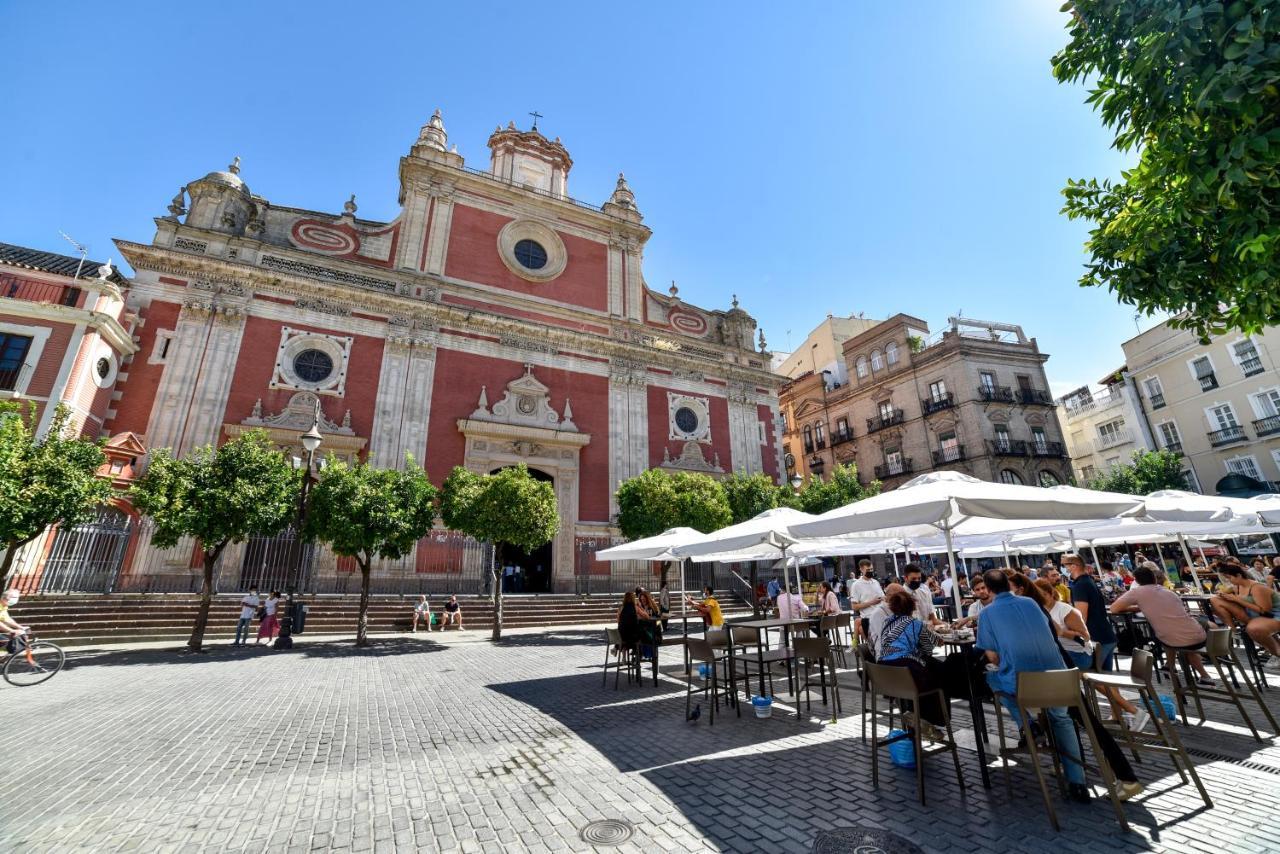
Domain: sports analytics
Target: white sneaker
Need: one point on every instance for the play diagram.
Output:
(1272, 665)
(1140, 720)
(1125, 791)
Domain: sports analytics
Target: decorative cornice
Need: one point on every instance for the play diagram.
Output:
(472, 428)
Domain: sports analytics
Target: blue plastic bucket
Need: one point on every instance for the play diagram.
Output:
(763, 706)
(902, 752)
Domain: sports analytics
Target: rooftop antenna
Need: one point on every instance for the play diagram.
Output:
(83, 250)
(788, 339)
(1136, 324)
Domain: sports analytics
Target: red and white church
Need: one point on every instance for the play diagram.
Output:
(495, 320)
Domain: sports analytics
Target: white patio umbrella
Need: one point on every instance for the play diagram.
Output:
(657, 548)
(1268, 508)
(766, 533)
(945, 501)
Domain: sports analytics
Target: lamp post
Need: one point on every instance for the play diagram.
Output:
(310, 443)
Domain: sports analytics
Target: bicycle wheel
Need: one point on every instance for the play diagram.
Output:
(34, 665)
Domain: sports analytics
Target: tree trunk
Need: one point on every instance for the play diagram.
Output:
(666, 569)
(362, 627)
(196, 641)
(497, 593)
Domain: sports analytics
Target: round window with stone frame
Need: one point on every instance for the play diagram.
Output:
(313, 366)
(687, 420)
(531, 254)
(532, 250)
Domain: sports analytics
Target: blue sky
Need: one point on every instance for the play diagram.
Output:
(812, 158)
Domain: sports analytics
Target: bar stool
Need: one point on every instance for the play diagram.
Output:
(1219, 651)
(1048, 690)
(807, 652)
(897, 684)
(1165, 740)
(703, 652)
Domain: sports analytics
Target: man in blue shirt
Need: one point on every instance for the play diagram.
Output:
(1018, 638)
(773, 589)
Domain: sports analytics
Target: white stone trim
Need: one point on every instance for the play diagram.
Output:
(159, 355)
(296, 341)
(39, 337)
(546, 237)
(699, 406)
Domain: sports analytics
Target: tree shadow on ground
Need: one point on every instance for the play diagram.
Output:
(218, 653)
(554, 637)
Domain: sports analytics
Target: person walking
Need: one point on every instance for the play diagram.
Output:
(270, 623)
(248, 607)
(422, 611)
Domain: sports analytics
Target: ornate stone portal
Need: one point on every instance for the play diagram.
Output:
(523, 428)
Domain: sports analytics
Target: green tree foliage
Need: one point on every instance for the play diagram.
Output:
(47, 480)
(840, 488)
(1147, 472)
(509, 507)
(365, 513)
(1195, 89)
(657, 500)
(219, 497)
(749, 495)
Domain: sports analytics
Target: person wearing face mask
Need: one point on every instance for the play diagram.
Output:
(865, 592)
(924, 597)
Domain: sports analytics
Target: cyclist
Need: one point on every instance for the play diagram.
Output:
(7, 624)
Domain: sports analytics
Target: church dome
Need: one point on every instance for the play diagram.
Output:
(229, 178)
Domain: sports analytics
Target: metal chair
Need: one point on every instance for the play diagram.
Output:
(703, 652)
(622, 656)
(1220, 652)
(1165, 740)
(1049, 690)
(833, 628)
(807, 652)
(897, 684)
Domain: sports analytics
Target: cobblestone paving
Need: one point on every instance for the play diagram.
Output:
(464, 746)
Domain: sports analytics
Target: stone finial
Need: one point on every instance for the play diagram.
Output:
(433, 134)
(105, 271)
(511, 125)
(346, 420)
(350, 205)
(234, 168)
(763, 349)
(735, 300)
(673, 290)
(622, 195)
(257, 409)
(178, 207)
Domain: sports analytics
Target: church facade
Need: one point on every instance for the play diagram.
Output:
(495, 320)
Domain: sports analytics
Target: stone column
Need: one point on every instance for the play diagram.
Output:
(628, 425)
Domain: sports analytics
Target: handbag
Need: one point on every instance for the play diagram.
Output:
(261, 613)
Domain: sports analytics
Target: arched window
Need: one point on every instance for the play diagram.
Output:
(808, 439)
(820, 433)
(861, 366)
(891, 353)
(877, 361)
(1048, 478)
(1010, 476)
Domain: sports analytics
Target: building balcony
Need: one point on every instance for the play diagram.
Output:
(898, 469)
(1048, 449)
(840, 437)
(1097, 404)
(1157, 401)
(1174, 447)
(819, 443)
(930, 405)
(995, 394)
(11, 287)
(946, 456)
(808, 447)
(1208, 382)
(1034, 397)
(1007, 447)
(1251, 366)
(1112, 440)
(882, 421)
(1227, 436)
(1263, 426)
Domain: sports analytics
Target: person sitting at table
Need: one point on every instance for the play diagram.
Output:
(1258, 570)
(1254, 606)
(1068, 624)
(629, 621)
(905, 641)
(791, 605)
(924, 599)
(1014, 637)
(1166, 615)
(877, 616)
(828, 603)
(983, 596)
(708, 608)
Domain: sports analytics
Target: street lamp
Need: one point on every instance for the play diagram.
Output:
(796, 481)
(310, 444)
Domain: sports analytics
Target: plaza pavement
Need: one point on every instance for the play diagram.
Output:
(450, 743)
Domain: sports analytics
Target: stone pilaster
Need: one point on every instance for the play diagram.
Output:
(628, 425)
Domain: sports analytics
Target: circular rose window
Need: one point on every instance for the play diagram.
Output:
(531, 254)
(313, 366)
(687, 420)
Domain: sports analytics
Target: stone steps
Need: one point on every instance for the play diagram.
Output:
(78, 620)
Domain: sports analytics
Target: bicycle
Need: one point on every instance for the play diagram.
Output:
(32, 661)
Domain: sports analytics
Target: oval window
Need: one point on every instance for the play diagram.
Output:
(531, 254)
(103, 367)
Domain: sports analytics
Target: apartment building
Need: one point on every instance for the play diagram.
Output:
(1217, 403)
(972, 398)
(1104, 428)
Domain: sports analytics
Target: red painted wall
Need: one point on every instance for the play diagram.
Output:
(256, 366)
(458, 379)
(658, 430)
(138, 391)
(768, 453)
(46, 371)
(473, 257)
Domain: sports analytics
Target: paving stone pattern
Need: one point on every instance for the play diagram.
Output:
(466, 746)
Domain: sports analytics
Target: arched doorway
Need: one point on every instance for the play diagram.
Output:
(532, 569)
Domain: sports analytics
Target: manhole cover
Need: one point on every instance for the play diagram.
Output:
(862, 840)
(609, 831)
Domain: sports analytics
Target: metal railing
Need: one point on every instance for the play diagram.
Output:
(1208, 382)
(1111, 440)
(1267, 426)
(930, 405)
(1251, 366)
(1157, 401)
(1008, 447)
(1227, 435)
(945, 456)
(882, 421)
(995, 393)
(519, 185)
(1034, 397)
(11, 378)
(1175, 447)
(840, 437)
(1048, 449)
(887, 470)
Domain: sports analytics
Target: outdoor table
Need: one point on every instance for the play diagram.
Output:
(763, 627)
(976, 712)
